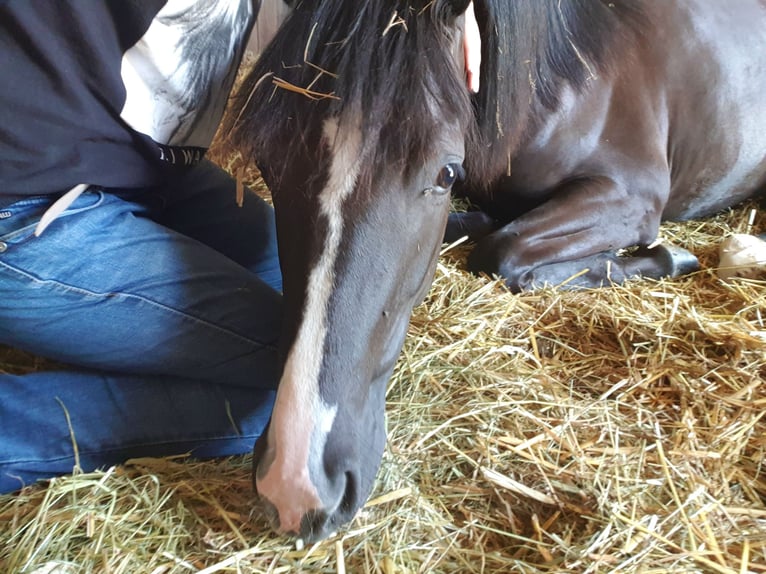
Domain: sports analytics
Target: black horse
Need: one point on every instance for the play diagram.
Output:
(595, 120)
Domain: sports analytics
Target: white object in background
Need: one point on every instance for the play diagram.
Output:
(472, 47)
(742, 255)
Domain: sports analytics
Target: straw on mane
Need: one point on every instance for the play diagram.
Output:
(389, 63)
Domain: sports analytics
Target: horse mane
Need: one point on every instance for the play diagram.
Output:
(386, 66)
(530, 50)
(389, 64)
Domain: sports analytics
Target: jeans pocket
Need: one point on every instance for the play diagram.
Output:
(21, 218)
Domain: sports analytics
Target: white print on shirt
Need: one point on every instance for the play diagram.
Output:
(179, 74)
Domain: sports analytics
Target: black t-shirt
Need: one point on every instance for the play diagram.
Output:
(115, 93)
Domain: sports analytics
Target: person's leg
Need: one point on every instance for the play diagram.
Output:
(112, 418)
(107, 288)
(203, 205)
(152, 318)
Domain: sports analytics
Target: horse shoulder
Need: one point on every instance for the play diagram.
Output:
(612, 128)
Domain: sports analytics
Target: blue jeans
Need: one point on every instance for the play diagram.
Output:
(164, 304)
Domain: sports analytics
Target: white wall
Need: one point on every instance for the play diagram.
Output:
(272, 13)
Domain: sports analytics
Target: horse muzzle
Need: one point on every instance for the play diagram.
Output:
(316, 498)
(309, 523)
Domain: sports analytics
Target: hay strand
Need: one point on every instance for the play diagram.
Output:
(617, 430)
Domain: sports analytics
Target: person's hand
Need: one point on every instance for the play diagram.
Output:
(472, 47)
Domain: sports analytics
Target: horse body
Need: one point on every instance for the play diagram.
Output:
(594, 121)
(687, 102)
(716, 143)
(674, 131)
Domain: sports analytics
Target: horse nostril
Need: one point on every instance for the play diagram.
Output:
(314, 526)
(349, 502)
(318, 524)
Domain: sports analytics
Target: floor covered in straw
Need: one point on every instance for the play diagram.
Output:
(614, 430)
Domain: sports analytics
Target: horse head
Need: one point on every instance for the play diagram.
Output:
(357, 115)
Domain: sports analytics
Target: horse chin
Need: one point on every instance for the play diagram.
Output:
(259, 449)
(269, 511)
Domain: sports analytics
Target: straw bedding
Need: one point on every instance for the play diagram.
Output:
(615, 430)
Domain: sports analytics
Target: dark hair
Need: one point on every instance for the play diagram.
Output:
(388, 62)
(530, 48)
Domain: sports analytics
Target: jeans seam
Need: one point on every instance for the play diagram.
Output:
(104, 296)
(131, 446)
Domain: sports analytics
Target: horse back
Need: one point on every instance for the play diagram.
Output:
(716, 103)
(683, 104)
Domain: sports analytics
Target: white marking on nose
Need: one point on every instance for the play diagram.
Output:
(299, 411)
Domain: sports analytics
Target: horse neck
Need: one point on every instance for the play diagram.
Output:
(531, 50)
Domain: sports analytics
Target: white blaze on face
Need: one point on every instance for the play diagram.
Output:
(299, 412)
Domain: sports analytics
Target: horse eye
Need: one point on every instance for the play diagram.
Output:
(449, 174)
